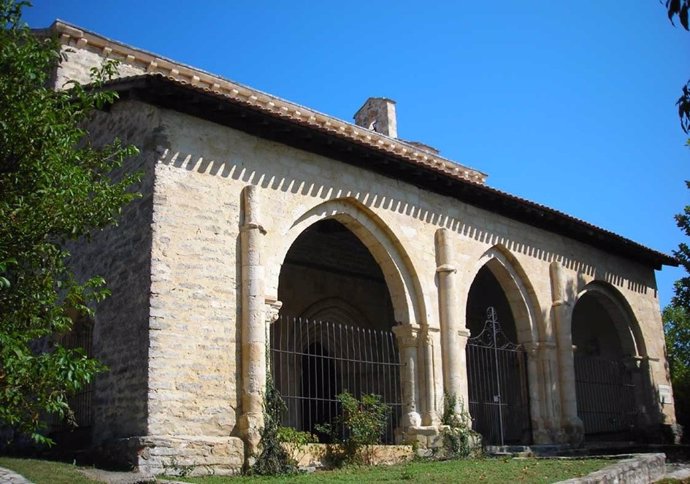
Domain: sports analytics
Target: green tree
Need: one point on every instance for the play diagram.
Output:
(54, 187)
(680, 9)
(676, 316)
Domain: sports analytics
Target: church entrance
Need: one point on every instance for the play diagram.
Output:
(334, 330)
(604, 373)
(496, 366)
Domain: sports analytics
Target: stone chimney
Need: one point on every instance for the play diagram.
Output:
(378, 114)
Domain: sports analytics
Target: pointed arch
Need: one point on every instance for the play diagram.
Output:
(401, 279)
(497, 280)
(608, 347)
(517, 288)
(335, 310)
(621, 314)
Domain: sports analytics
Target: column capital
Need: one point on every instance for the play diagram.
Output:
(427, 335)
(407, 335)
(636, 362)
(539, 345)
(272, 309)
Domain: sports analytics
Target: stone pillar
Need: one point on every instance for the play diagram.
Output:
(430, 417)
(453, 332)
(253, 333)
(551, 389)
(562, 312)
(542, 389)
(408, 341)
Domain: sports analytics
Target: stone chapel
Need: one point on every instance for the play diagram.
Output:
(272, 239)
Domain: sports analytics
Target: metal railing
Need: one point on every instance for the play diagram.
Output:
(498, 393)
(312, 362)
(605, 395)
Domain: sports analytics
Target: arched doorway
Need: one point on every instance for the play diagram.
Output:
(496, 362)
(334, 331)
(605, 347)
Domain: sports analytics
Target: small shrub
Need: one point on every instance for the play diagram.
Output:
(459, 440)
(274, 459)
(363, 423)
(295, 442)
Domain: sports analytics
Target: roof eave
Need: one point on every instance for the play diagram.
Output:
(275, 126)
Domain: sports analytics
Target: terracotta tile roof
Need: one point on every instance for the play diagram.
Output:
(154, 64)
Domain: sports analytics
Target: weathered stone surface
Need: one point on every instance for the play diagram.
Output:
(122, 255)
(189, 455)
(636, 469)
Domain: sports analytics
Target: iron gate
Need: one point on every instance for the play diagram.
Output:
(497, 374)
(314, 361)
(605, 395)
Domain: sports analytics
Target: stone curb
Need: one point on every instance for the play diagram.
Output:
(11, 477)
(632, 469)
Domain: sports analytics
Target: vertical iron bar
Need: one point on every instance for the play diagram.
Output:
(321, 383)
(498, 376)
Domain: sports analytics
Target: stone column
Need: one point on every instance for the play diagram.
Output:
(562, 312)
(542, 389)
(253, 333)
(453, 332)
(408, 342)
(551, 389)
(430, 417)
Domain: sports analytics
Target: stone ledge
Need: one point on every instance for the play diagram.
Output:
(314, 456)
(176, 455)
(633, 469)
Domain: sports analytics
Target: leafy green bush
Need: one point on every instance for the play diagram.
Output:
(274, 459)
(459, 440)
(295, 442)
(363, 423)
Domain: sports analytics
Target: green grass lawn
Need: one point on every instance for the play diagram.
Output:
(475, 471)
(43, 471)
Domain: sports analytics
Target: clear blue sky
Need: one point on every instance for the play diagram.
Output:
(566, 103)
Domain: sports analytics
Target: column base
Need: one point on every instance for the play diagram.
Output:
(572, 433)
(426, 438)
(250, 425)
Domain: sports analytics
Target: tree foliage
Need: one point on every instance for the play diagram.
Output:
(54, 187)
(679, 9)
(677, 331)
(677, 324)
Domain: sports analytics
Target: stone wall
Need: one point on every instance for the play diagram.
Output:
(122, 255)
(82, 60)
(206, 166)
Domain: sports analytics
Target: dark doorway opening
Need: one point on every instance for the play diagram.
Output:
(604, 374)
(320, 388)
(496, 366)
